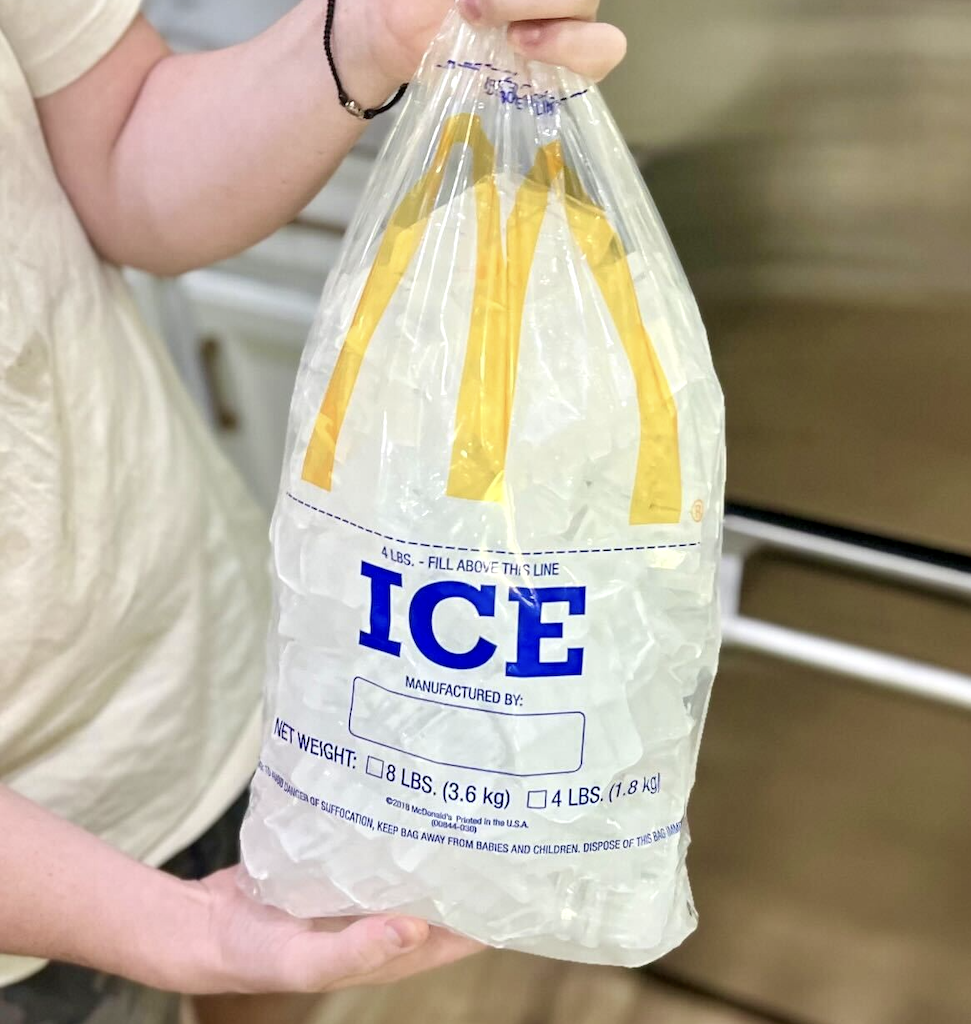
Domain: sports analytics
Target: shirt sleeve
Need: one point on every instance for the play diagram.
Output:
(57, 41)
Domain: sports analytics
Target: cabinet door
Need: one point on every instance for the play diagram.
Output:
(831, 821)
(850, 414)
(249, 339)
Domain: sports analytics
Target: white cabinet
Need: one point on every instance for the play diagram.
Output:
(236, 332)
(248, 339)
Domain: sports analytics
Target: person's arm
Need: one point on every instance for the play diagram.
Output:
(66, 895)
(174, 161)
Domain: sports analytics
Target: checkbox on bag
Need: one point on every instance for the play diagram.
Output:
(536, 799)
(375, 767)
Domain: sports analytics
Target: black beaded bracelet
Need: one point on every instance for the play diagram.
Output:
(351, 106)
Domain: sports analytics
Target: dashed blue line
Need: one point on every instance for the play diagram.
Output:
(486, 551)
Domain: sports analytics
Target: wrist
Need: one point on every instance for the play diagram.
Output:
(362, 61)
(176, 950)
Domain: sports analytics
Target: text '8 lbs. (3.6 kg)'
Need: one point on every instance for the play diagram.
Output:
(497, 538)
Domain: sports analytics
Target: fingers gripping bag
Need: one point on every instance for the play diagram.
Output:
(496, 539)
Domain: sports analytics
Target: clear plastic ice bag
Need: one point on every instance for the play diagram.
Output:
(497, 538)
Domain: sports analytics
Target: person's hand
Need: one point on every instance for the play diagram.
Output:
(258, 949)
(563, 32)
(70, 896)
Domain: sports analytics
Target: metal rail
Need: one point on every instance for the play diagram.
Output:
(745, 536)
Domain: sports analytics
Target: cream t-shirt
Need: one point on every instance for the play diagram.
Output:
(133, 565)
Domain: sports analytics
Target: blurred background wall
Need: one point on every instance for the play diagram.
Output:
(812, 160)
(824, 145)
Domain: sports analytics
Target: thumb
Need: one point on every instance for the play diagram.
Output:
(325, 959)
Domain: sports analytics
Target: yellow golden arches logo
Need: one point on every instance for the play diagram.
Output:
(484, 414)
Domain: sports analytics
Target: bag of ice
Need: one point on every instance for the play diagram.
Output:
(496, 539)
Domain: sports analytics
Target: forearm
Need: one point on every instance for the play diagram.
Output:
(66, 895)
(220, 149)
